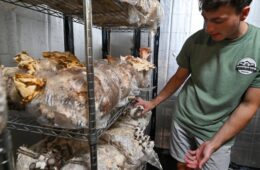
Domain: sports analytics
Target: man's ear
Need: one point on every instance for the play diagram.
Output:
(244, 13)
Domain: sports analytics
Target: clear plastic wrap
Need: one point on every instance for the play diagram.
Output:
(143, 6)
(145, 12)
(127, 135)
(25, 158)
(13, 97)
(123, 139)
(63, 101)
(131, 2)
(54, 89)
(106, 13)
(49, 153)
(132, 119)
(108, 158)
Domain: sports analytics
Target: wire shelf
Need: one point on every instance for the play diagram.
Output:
(28, 124)
(106, 13)
(45, 9)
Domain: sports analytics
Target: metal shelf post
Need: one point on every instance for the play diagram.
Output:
(87, 8)
(154, 43)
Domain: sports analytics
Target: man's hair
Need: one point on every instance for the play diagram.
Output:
(212, 5)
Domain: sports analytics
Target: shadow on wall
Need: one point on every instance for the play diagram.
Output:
(246, 150)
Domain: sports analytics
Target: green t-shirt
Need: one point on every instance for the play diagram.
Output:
(221, 72)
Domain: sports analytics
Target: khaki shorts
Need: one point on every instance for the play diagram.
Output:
(181, 141)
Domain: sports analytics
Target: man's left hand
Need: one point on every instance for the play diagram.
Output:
(195, 159)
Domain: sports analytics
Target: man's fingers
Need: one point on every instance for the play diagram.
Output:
(192, 166)
(191, 163)
(190, 155)
(202, 162)
(138, 101)
(192, 152)
(191, 159)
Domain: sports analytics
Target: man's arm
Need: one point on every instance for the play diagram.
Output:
(172, 86)
(240, 117)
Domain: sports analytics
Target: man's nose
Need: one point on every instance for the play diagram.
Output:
(209, 27)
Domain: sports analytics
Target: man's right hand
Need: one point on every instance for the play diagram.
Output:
(147, 105)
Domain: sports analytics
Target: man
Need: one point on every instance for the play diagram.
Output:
(222, 89)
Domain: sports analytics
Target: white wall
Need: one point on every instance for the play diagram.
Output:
(27, 30)
(121, 43)
(79, 41)
(253, 17)
(181, 19)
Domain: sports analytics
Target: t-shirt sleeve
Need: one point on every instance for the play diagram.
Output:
(256, 81)
(183, 58)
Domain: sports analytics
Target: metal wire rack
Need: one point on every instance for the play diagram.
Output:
(45, 9)
(106, 13)
(28, 124)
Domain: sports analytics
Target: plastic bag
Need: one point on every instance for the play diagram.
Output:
(145, 13)
(13, 98)
(129, 137)
(61, 100)
(49, 153)
(131, 2)
(108, 157)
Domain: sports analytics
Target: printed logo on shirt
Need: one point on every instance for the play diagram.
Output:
(246, 66)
